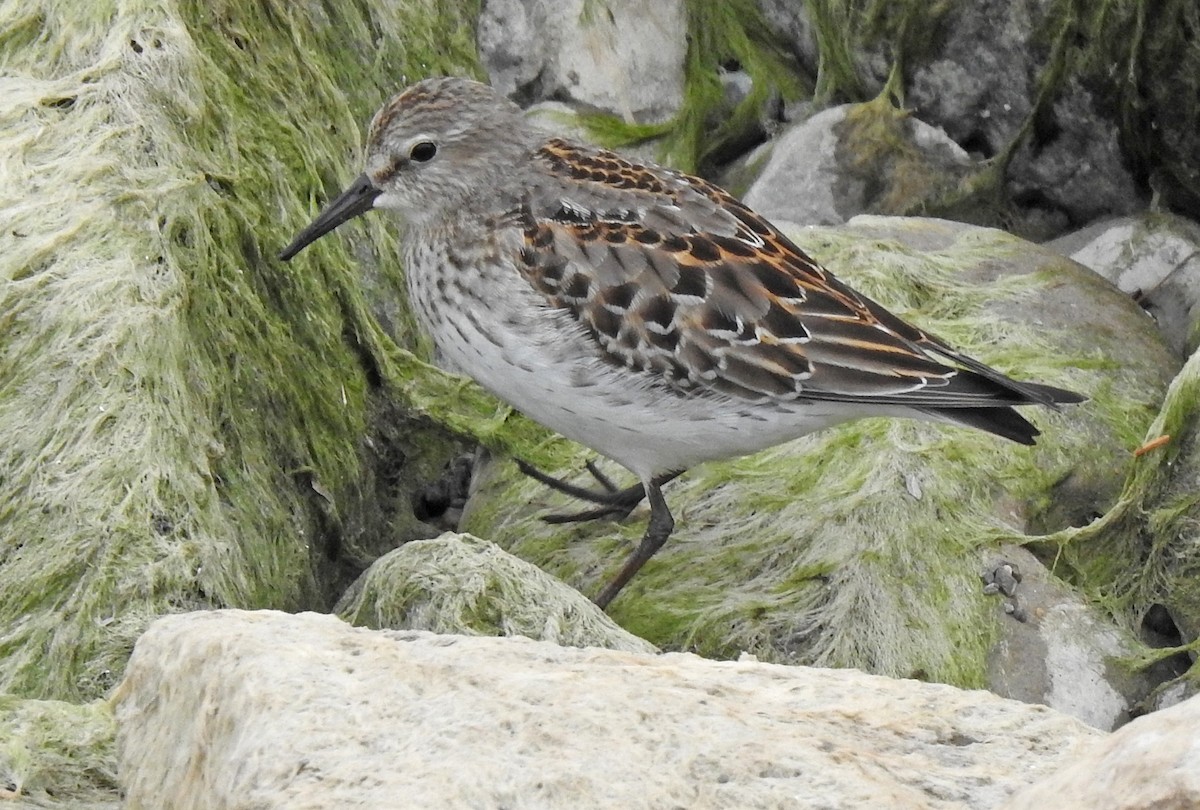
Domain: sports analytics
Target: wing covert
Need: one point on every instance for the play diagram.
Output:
(676, 277)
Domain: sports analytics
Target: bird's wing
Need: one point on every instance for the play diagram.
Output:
(675, 277)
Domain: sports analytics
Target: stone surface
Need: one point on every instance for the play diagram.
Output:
(1058, 650)
(621, 56)
(819, 174)
(976, 70)
(233, 709)
(457, 583)
(1154, 257)
(1151, 764)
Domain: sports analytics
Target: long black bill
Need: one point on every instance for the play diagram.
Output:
(358, 199)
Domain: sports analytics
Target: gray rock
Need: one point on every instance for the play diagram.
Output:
(621, 56)
(1058, 650)
(978, 78)
(798, 180)
(817, 175)
(1154, 257)
(981, 85)
(460, 584)
(235, 709)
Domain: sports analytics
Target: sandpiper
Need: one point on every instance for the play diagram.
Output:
(640, 311)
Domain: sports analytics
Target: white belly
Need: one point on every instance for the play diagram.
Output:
(549, 369)
(490, 325)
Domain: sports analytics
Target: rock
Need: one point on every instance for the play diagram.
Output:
(981, 84)
(1073, 169)
(837, 164)
(460, 584)
(1058, 650)
(1151, 764)
(1155, 258)
(978, 71)
(818, 551)
(234, 709)
(622, 56)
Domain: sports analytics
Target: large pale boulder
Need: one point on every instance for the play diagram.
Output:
(1151, 764)
(232, 709)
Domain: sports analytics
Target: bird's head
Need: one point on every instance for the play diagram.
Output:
(429, 149)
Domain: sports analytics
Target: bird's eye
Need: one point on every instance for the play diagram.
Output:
(423, 152)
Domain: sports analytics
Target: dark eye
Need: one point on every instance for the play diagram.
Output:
(423, 151)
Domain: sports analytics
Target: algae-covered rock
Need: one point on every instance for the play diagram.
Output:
(187, 422)
(55, 754)
(1142, 557)
(859, 546)
(459, 584)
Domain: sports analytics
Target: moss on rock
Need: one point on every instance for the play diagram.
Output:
(56, 754)
(462, 585)
(184, 416)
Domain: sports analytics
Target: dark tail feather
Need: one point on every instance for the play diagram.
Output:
(1049, 395)
(1005, 421)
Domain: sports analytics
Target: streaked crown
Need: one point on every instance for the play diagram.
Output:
(433, 146)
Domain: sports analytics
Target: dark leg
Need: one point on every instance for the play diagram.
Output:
(657, 532)
(612, 502)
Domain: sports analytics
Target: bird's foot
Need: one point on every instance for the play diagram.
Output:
(612, 503)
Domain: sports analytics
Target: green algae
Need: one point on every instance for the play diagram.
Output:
(1155, 522)
(184, 416)
(463, 585)
(55, 754)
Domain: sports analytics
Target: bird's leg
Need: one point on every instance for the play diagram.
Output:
(657, 531)
(612, 502)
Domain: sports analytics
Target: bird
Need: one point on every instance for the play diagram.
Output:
(638, 310)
